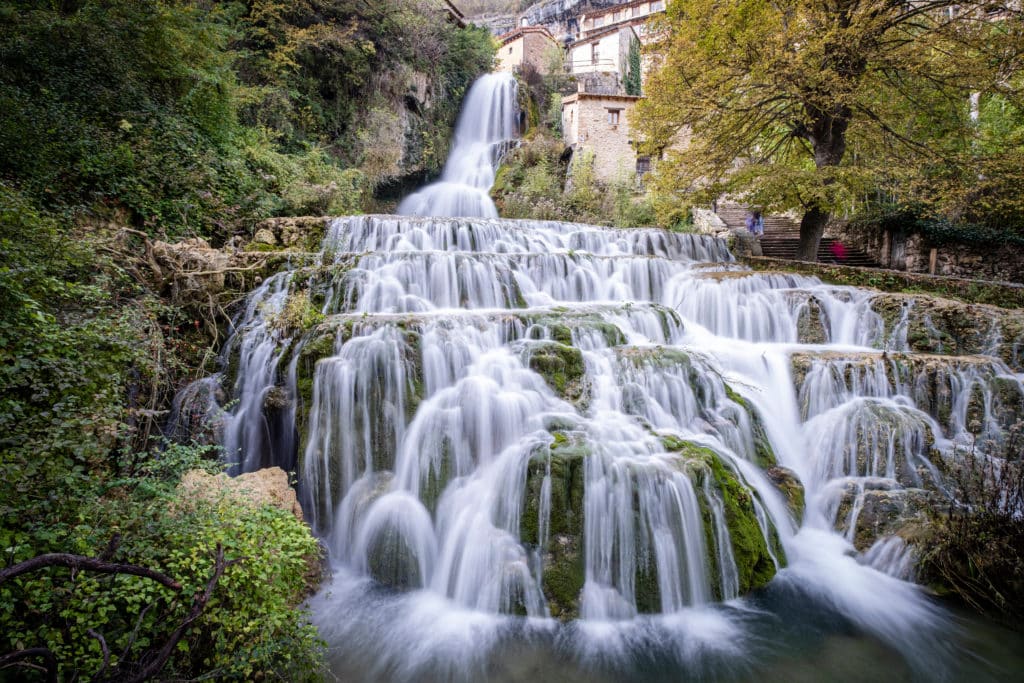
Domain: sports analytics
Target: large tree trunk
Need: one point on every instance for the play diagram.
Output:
(812, 225)
(827, 136)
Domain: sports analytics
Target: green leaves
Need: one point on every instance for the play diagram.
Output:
(801, 105)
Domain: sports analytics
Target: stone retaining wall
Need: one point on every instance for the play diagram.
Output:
(1002, 294)
(912, 252)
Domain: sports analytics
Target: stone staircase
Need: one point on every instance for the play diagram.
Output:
(782, 235)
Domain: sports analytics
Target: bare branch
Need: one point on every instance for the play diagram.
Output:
(103, 647)
(83, 562)
(49, 661)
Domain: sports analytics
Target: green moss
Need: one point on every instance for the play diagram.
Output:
(764, 454)
(321, 346)
(750, 550)
(562, 368)
(753, 562)
(563, 557)
(791, 489)
(262, 247)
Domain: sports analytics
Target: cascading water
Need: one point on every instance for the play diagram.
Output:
(487, 126)
(507, 418)
(614, 429)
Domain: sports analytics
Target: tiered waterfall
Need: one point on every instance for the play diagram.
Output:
(556, 420)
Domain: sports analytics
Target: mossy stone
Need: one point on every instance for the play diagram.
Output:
(562, 555)
(562, 368)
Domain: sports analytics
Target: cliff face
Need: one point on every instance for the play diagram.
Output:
(555, 15)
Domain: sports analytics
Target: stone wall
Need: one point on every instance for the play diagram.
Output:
(527, 47)
(590, 129)
(537, 48)
(912, 252)
(599, 83)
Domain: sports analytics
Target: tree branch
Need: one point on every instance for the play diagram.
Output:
(198, 606)
(83, 562)
(49, 660)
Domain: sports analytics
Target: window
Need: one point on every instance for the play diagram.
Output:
(613, 116)
(510, 50)
(598, 22)
(594, 53)
(643, 165)
(615, 17)
(658, 5)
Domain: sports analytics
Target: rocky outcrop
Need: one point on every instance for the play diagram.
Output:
(294, 233)
(724, 499)
(268, 487)
(878, 509)
(931, 324)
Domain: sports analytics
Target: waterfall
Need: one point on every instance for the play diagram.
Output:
(487, 125)
(493, 418)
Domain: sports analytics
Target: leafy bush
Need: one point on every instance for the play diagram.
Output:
(195, 118)
(530, 181)
(937, 229)
(82, 358)
(251, 627)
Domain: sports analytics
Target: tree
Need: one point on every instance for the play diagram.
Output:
(803, 104)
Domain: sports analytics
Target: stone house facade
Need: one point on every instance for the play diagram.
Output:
(605, 51)
(634, 14)
(527, 47)
(600, 124)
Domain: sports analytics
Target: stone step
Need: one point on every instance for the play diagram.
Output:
(785, 247)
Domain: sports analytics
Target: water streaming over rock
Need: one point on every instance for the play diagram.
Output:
(486, 127)
(493, 419)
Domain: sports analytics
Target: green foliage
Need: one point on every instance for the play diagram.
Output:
(938, 229)
(82, 358)
(812, 106)
(297, 315)
(530, 181)
(200, 118)
(634, 70)
(250, 628)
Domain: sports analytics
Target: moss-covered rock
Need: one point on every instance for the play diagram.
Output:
(562, 368)
(812, 324)
(764, 454)
(295, 233)
(935, 382)
(562, 554)
(754, 562)
(886, 511)
(791, 488)
(947, 326)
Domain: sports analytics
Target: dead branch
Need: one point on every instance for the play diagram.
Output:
(78, 562)
(103, 646)
(49, 661)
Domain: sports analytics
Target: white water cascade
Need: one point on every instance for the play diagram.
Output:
(503, 418)
(551, 451)
(486, 127)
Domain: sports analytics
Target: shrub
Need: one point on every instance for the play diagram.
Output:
(977, 553)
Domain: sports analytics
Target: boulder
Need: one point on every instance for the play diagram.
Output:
(263, 487)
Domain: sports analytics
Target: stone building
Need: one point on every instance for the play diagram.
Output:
(605, 51)
(600, 124)
(527, 47)
(634, 14)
